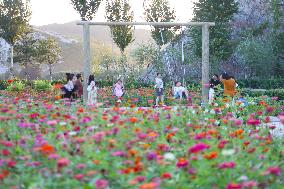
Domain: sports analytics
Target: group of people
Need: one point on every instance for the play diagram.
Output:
(180, 92)
(229, 86)
(74, 88)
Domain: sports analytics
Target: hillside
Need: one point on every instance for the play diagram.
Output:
(69, 36)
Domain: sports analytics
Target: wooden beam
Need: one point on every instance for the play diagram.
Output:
(162, 24)
(205, 63)
(87, 59)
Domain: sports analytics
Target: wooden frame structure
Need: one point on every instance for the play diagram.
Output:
(205, 47)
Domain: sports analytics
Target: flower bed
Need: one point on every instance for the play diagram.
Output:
(57, 144)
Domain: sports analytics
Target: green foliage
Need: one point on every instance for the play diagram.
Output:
(276, 14)
(14, 19)
(273, 83)
(48, 53)
(16, 86)
(146, 55)
(42, 86)
(3, 84)
(257, 53)
(120, 11)
(221, 12)
(270, 93)
(160, 11)
(86, 8)
(26, 48)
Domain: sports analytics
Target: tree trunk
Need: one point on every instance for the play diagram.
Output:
(50, 72)
(11, 75)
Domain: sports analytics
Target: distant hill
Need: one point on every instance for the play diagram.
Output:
(69, 36)
(98, 33)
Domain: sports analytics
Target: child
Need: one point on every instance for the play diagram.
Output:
(118, 90)
(92, 91)
(159, 87)
(180, 91)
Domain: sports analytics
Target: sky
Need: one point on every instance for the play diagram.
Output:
(61, 11)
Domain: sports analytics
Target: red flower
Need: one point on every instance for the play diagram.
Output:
(234, 186)
(166, 176)
(198, 148)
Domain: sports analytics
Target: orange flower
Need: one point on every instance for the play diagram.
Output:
(57, 86)
(211, 155)
(153, 134)
(150, 185)
(96, 162)
(46, 149)
(133, 120)
(132, 152)
(80, 110)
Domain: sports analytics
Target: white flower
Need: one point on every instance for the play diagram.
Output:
(228, 152)
(243, 178)
(206, 111)
(62, 123)
(169, 156)
(227, 105)
(212, 111)
(72, 133)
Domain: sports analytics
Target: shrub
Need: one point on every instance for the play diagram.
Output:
(3, 84)
(271, 93)
(274, 83)
(16, 86)
(42, 85)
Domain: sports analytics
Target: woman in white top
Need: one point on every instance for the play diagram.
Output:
(180, 91)
(92, 91)
(68, 88)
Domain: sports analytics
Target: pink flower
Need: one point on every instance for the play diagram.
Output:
(98, 136)
(227, 165)
(101, 184)
(51, 122)
(249, 184)
(273, 170)
(281, 117)
(198, 148)
(253, 121)
(79, 177)
(182, 163)
(62, 162)
(118, 154)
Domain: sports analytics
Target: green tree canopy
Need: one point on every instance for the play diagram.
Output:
(86, 8)
(120, 11)
(221, 12)
(160, 11)
(14, 19)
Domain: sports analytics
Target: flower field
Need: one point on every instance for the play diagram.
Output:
(55, 144)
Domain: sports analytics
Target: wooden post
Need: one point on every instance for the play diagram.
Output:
(205, 63)
(87, 59)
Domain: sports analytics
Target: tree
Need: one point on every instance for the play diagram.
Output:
(257, 53)
(48, 53)
(86, 8)
(14, 20)
(221, 12)
(120, 11)
(160, 11)
(26, 49)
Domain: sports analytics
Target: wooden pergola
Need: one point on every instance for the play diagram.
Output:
(205, 47)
